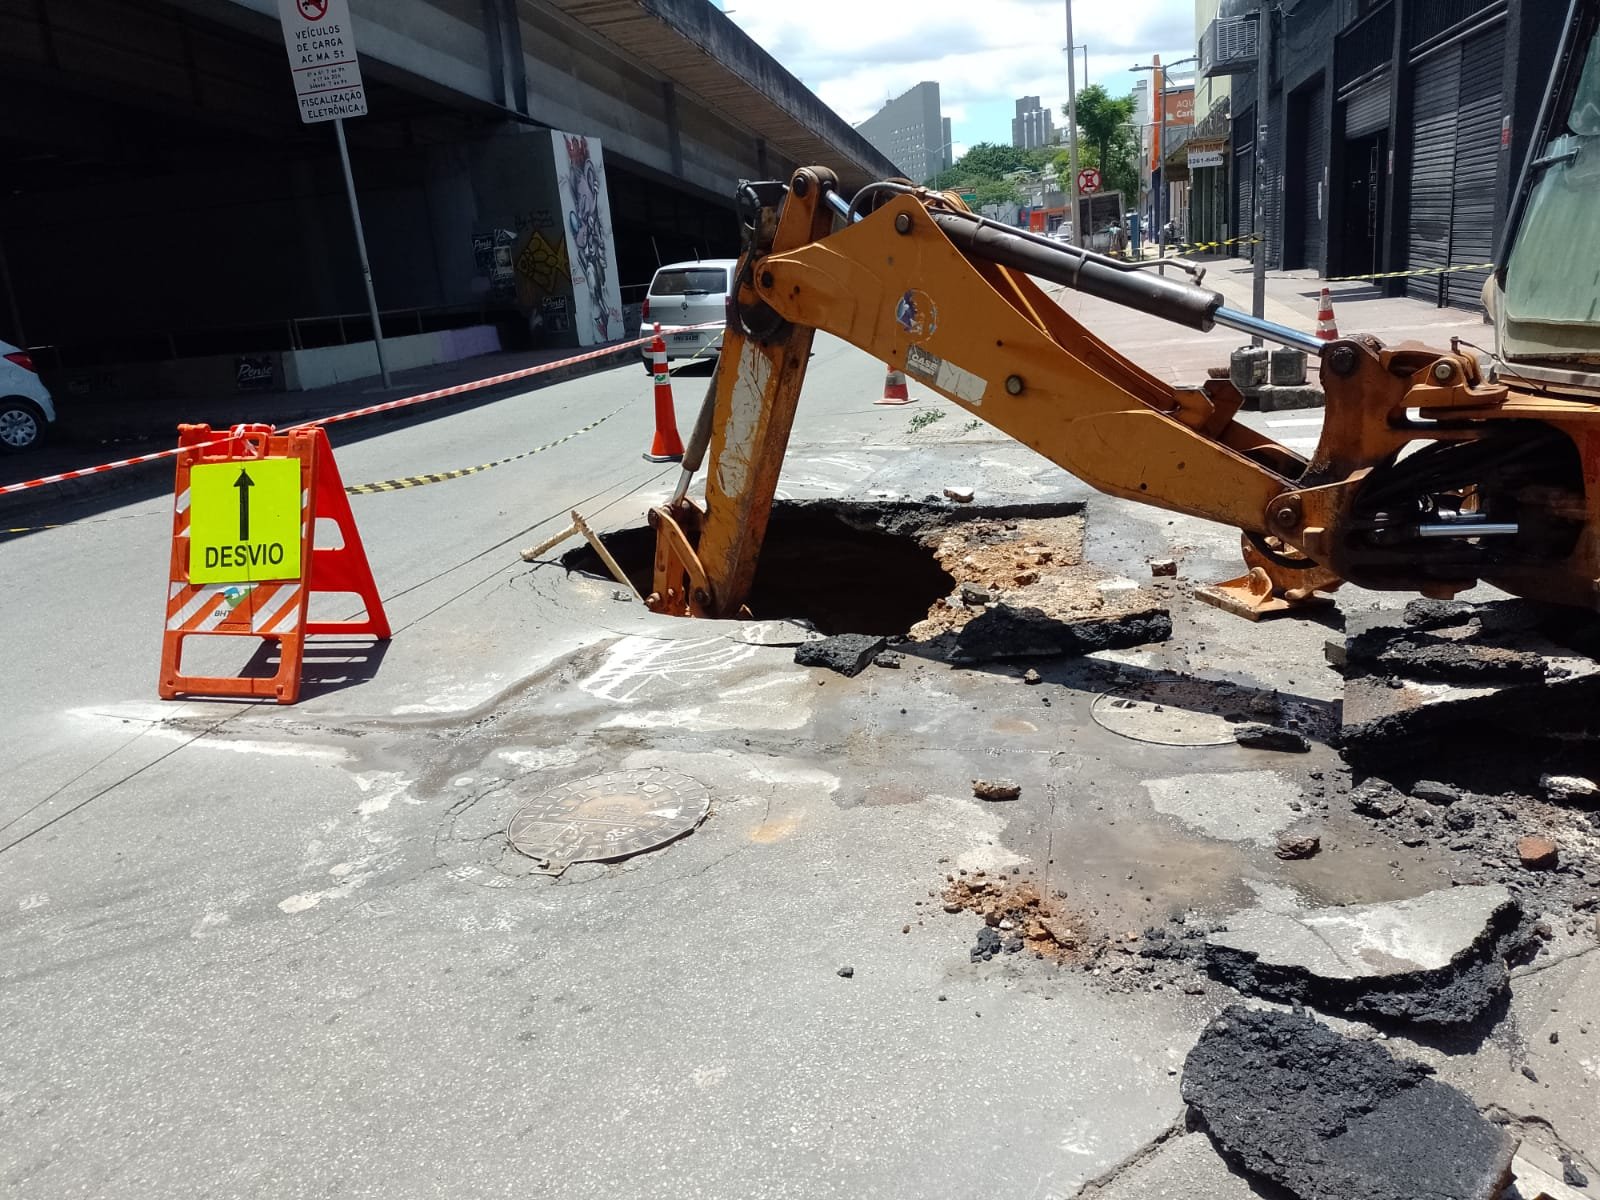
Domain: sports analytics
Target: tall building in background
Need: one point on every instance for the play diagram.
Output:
(912, 133)
(1032, 127)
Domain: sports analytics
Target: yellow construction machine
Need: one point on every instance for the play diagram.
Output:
(1432, 472)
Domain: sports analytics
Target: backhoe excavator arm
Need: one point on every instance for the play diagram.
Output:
(951, 299)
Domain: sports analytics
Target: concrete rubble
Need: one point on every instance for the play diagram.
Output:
(1436, 960)
(1331, 1118)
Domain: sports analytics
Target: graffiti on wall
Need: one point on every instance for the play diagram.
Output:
(491, 253)
(586, 210)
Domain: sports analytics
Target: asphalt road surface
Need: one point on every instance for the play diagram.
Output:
(264, 951)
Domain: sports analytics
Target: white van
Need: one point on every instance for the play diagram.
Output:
(689, 293)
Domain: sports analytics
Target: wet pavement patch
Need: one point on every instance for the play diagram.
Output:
(1331, 1118)
(1436, 960)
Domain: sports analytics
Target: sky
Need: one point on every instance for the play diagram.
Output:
(985, 54)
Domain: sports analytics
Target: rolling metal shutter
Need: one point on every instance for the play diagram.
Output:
(1366, 110)
(1313, 198)
(1244, 180)
(1433, 161)
(1478, 158)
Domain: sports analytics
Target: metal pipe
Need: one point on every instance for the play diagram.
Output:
(841, 206)
(1270, 331)
(1459, 529)
(1181, 303)
(699, 438)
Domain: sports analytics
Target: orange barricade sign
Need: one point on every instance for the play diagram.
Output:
(244, 557)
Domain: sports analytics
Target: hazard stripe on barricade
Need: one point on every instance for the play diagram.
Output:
(200, 608)
(1414, 274)
(389, 406)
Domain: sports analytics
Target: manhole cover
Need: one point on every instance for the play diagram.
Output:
(607, 817)
(1176, 712)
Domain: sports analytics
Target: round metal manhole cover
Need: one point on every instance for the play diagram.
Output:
(1174, 712)
(607, 817)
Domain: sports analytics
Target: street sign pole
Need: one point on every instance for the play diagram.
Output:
(320, 40)
(361, 249)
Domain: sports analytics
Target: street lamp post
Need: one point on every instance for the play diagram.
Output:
(938, 176)
(1072, 135)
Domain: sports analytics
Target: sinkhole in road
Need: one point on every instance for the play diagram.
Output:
(840, 566)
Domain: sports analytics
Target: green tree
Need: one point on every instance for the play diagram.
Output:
(1105, 138)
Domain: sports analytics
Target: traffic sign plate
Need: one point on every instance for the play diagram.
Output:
(1089, 180)
(245, 522)
(322, 59)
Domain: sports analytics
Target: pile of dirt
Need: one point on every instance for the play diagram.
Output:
(1022, 916)
(1023, 591)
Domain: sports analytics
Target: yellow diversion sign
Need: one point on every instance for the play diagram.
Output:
(244, 521)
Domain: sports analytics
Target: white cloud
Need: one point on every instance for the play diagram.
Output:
(856, 54)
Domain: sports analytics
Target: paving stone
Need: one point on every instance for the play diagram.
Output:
(1331, 1118)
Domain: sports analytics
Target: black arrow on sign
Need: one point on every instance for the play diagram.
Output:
(244, 483)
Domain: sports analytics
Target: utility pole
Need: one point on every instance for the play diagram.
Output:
(1159, 78)
(1258, 287)
(1072, 136)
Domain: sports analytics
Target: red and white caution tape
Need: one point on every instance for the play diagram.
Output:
(388, 406)
(79, 474)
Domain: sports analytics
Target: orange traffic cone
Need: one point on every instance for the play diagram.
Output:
(668, 446)
(1327, 330)
(894, 388)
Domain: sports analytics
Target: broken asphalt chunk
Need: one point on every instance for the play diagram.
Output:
(1437, 959)
(1330, 1118)
(1004, 630)
(846, 653)
(1255, 736)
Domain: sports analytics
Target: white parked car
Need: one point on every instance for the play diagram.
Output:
(25, 405)
(690, 293)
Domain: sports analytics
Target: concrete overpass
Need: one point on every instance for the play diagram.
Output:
(167, 202)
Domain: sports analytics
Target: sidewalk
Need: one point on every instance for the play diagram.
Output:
(1181, 355)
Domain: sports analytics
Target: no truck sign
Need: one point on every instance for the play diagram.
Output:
(322, 59)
